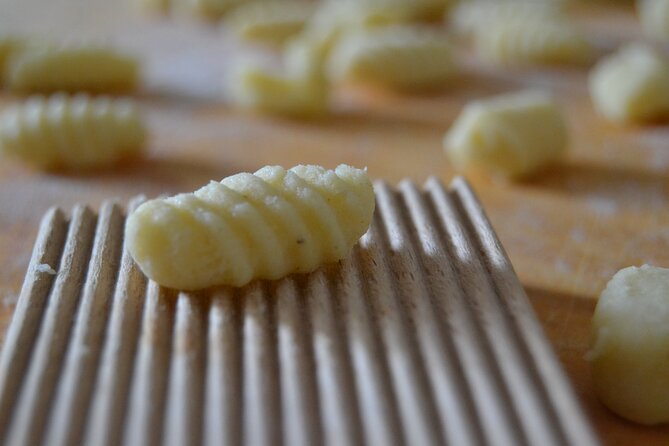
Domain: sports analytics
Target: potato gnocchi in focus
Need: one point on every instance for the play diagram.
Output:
(400, 57)
(252, 226)
(631, 85)
(46, 68)
(512, 134)
(74, 133)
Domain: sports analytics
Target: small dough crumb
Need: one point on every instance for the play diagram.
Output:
(512, 134)
(45, 268)
(630, 348)
(631, 85)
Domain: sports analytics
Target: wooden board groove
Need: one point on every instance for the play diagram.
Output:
(421, 336)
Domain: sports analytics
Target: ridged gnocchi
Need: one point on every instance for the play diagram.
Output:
(45, 68)
(630, 348)
(211, 9)
(257, 88)
(512, 134)
(409, 9)
(471, 16)
(252, 226)
(654, 17)
(631, 85)
(272, 22)
(76, 133)
(400, 57)
(520, 41)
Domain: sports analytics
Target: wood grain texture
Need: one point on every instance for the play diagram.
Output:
(295, 349)
(566, 231)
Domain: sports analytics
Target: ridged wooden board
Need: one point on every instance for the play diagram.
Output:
(423, 335)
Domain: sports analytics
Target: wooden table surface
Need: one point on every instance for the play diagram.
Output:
(567, 231)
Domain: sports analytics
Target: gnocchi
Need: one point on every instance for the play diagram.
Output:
(252, 226)
(471, 16)
(631, 85)
(212, 9)
(654, 17)
(629, 358)
(256, 88)
(409, 9)
(271, 22)
(396, 56)
(512, 134)
(76, 133)
(43, 68)
(539, 41)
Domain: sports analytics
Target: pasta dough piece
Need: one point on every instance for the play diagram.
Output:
(630, 351)
(256, 88)
(43, 68)
(654, 17)
(272, 22)
(211, 9)
(252, 226)
(75, 132)
(631, 85)
(409, 9)
(512, 134)
(521, 41)
(395, 56)
(471, 16)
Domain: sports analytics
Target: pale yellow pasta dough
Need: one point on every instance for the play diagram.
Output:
(258, 88)
(409, 9)
(631, 85)
(43, 68)
(400, 57)
(469, 17)
(272, 22)
(512, 134)
(518, 41)
(208, 9)
(630, 349)
(252, 226)
(76, 133)
(654, 17)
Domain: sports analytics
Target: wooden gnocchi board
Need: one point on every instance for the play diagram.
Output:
(566, 231)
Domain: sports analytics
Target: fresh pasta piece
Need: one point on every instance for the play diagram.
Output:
(654, 17)
(512, 134)
(395, 56)
(631, 85)
(629, 358)
(471, 16)
(521, 41)
(209, 9)
(71, 132)
(44, 68)
(271, 22)
(264, 225)
(256, 88)
(409, 9)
